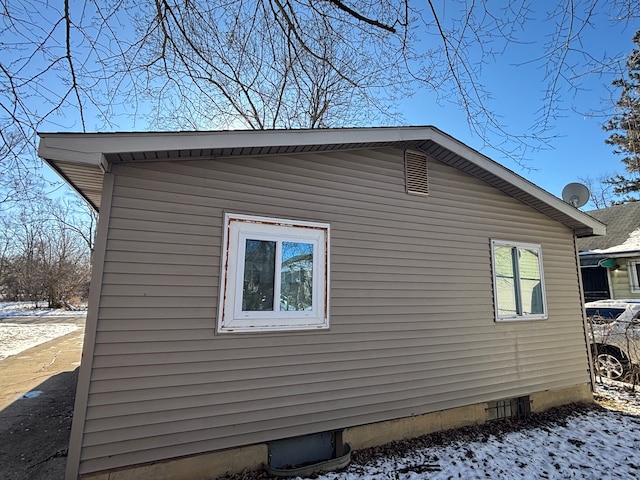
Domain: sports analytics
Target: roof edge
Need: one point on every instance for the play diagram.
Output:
(82, 147)
(90, 149)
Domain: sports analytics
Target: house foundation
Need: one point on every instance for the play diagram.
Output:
(216, 464)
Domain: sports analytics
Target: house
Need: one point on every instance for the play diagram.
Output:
(250, 287)
(610, 264)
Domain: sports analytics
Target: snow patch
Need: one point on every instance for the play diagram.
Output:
(32, 394)
(16, 338)
(632, 243)
(595, 445)
(29, 309)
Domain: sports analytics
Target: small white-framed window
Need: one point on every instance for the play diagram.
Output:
(274, 275)
(634, 276)
(518, 281)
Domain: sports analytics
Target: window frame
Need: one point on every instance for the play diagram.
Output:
(518, 316)
(240, 228)
(634, 276)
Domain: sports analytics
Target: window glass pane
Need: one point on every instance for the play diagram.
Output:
(259, 275)
(636, 277)
(296, 276)
(506, 293)
(530, 286)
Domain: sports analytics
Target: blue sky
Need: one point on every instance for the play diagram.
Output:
(578, 149)
(517, 90)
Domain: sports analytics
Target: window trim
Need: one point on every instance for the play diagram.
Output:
(518, 316)
(237, 229)
(634, 276)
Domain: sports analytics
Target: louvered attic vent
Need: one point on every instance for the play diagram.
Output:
(416, 173)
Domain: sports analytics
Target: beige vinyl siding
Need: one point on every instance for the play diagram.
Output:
(412, 325)
(86, 368)
(620, 282)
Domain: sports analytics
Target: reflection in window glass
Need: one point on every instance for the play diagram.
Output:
(296, 273)
(259, 275)
(530, 286)
(634, 276)
(505, 281)
(519, 291)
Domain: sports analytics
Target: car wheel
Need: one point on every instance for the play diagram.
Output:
(610, 365)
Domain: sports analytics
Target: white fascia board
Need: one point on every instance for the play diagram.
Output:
(90, 148)
(83, 144)
(71, 148)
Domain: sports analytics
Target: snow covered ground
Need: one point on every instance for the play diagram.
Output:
(597, 444)
(29, 309)
(16, 336)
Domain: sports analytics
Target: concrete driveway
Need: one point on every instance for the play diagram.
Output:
(37, 392)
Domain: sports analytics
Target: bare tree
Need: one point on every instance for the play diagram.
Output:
(6, 243)
(259, 65)
(45, 255)
(65, 265)
(601, 192)
(77, 217)
(204, 64)
(22, 277)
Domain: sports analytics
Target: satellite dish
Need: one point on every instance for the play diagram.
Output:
(575, 194)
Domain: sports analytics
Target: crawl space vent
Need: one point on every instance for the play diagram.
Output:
(416, 172)
(519, 407)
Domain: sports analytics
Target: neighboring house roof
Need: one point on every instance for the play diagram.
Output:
(623, 231)
(82, 158)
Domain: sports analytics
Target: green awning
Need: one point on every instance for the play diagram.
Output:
(608, 262)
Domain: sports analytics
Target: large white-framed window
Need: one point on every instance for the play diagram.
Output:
(274, 276)
(518, 281)
(634, 275)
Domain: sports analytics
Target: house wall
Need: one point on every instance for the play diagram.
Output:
(412, 315)
(620, 285)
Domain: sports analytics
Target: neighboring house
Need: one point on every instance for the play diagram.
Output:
(610, 264)
(367, 284)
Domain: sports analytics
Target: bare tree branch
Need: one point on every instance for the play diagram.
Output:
(362, 18)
